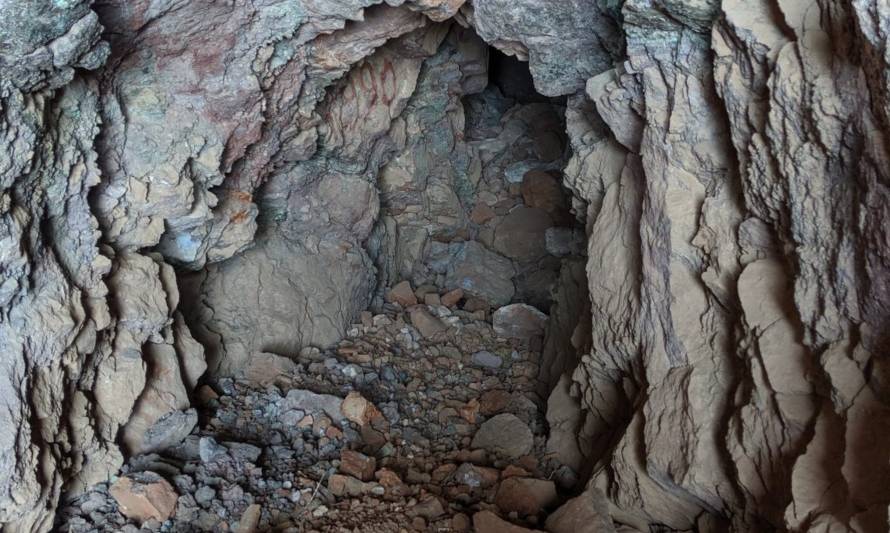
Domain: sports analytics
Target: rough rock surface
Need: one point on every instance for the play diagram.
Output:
(186, 184)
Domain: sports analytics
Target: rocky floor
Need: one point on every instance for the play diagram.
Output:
(424, 419)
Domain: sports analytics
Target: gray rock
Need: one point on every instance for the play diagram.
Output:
(487, 359)
(210, 450)
(481, 273)
(204, 496)
(169, 430)
(243, 451)
(561, 241)
(504, 434)
(521, 235)
(312, 403)
(520, 321)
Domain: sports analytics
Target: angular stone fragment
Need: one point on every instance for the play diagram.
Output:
(426, 324)
(519, 321)
(504, 434)
(144, 496)
(250, 519)
(358, 410)
(357, 465)
(402, 294)
(169, 430)
(451, 298)
(429, 508)
(310, 402)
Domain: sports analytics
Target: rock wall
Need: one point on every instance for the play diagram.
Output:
(246, 173)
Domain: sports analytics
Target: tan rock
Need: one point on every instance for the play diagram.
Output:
(341, 485)
(432, 298)
(429, 508)
(359, 410)
(144, 496)
(587, 513)
(265, 368)
(250, 519)
(460, 522)
(402, 294)
(469, 411)
(451, 298)
(357, 465)
(426, 324)
(526, 496)
(488, 522)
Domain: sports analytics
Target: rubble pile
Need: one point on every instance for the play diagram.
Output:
(425, 418)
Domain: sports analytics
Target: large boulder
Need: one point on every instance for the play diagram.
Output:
(504, 434)
(522, 234)
(519, 321)
(480, 272)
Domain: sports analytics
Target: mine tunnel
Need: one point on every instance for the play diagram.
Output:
(427, 262)
(481, 266)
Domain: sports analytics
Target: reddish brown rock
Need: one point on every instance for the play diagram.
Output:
(144, 496)
(540, 189)
(514, 471)
(442, 472)
(402, 294)
(429, 508)
(474, 304)
(493, 402)
(526, 496)
(357, 465)
(482, 213)
(451, 298)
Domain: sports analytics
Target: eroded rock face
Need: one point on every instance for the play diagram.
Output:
(728, 160)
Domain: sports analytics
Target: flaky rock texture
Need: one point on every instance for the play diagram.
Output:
(240, 178)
